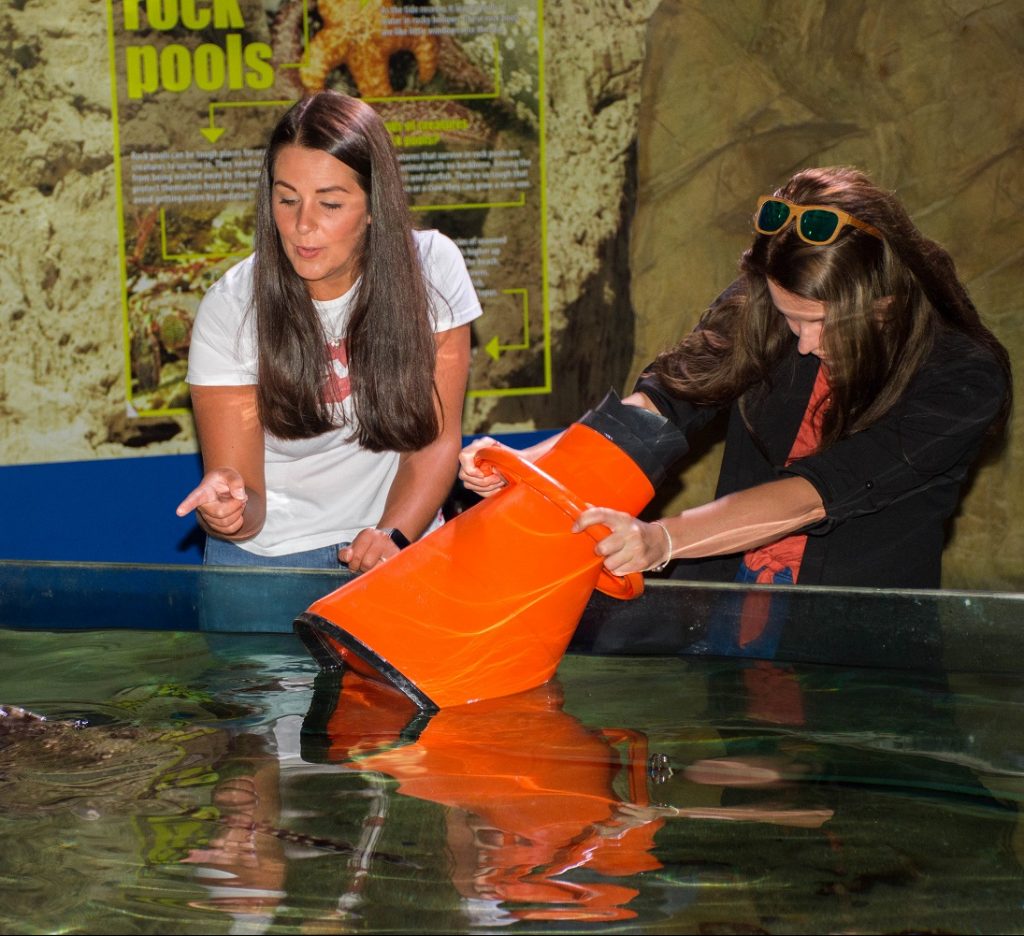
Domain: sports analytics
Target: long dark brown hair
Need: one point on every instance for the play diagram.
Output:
(885, 300)
(390, 336)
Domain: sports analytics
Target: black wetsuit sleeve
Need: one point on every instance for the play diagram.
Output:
(683, 414)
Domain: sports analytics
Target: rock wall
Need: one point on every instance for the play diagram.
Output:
(62, 383)
(593, 64)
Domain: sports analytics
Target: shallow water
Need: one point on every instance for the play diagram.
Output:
(206, 783)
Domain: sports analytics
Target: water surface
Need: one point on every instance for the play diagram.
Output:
(203, 783)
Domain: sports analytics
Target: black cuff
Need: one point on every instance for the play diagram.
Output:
(653, 442)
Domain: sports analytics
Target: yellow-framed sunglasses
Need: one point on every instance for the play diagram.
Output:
(815, 224)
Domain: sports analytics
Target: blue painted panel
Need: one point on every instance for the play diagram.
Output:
(116, 510)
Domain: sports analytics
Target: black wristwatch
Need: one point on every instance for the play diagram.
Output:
(396, 536)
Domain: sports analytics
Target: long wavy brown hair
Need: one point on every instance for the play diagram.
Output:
(886, 299)
(390, 338)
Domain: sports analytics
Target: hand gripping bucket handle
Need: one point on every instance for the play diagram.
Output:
(516, 470)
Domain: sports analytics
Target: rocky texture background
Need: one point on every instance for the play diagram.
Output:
(926, 98)
(664, 121)
(62, 382)
(593, 66)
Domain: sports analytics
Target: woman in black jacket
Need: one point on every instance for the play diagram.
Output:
(861, 382)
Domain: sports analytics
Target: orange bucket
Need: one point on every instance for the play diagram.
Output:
(486, 605)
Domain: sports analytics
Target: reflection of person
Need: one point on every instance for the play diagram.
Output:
(861, 382)
(328, 370)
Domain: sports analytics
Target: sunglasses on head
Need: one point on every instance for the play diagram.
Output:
(815, 224)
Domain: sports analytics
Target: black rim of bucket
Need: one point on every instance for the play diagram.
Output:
(312, 629)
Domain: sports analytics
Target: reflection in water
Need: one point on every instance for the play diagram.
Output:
(218, 786)
(530, 792)
(544, 818)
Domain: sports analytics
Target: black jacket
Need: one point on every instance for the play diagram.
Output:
(887, 490)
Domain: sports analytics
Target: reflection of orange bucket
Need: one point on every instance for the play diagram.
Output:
(531, 791)
(486, 605)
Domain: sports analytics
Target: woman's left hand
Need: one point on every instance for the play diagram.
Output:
(632, 545)
(370, 548)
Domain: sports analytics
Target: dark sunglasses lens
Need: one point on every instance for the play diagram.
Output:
(818, 226)
(772, 216)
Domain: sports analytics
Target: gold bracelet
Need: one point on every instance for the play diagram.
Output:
(668, 558)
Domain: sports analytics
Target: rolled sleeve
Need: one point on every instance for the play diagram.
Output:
(928, 439)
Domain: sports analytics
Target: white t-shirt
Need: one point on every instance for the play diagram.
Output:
(323, 490)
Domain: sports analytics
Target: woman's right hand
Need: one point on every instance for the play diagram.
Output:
(483, 481)
(230, 501)
(219, 500)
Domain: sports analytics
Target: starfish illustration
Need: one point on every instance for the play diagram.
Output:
(363, 35)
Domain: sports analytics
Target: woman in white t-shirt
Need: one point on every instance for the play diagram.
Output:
(328, 370)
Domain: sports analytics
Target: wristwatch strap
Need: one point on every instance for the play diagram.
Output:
(396, 536)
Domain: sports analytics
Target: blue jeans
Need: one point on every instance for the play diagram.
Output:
(220, 552)
(725, 637)
(749, 576)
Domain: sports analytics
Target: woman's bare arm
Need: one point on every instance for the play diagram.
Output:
(230, 501)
